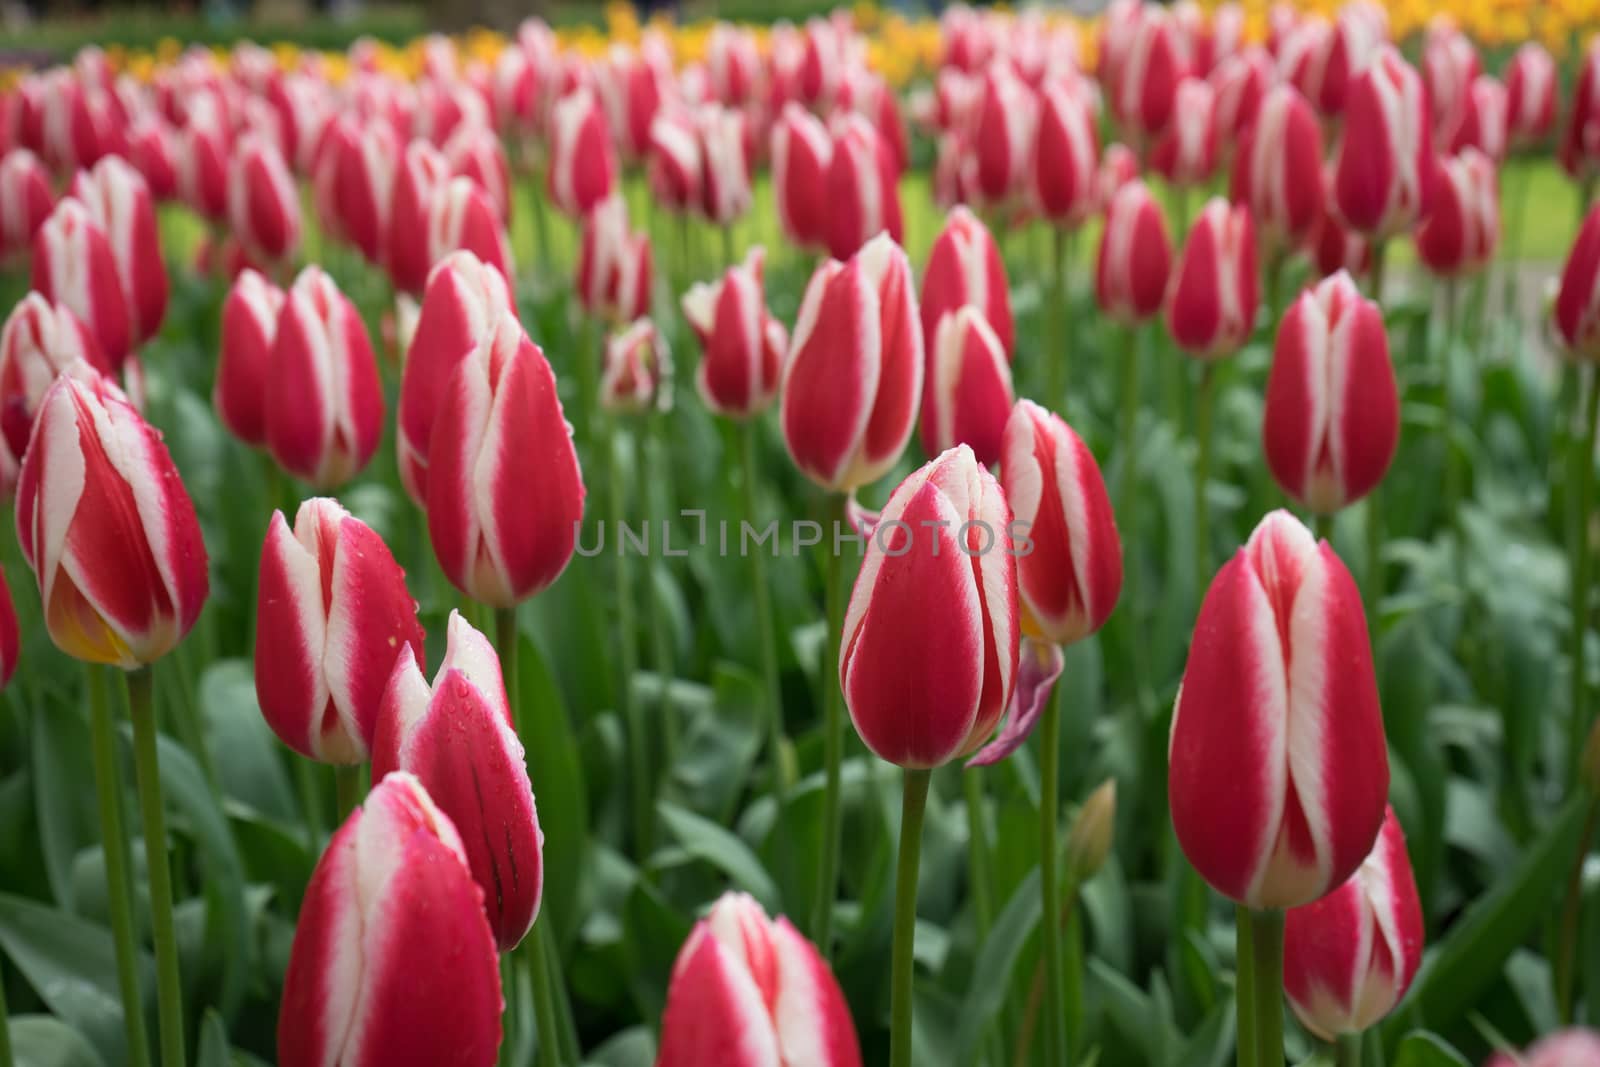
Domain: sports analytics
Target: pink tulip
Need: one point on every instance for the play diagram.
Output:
(1065, 155)
(1355, 43)
(1135, 256)
(1383, 176)
(964, 267)
(1462, 231)
(1186, 151)
(1277, 172)
(1241, 82)
(742, 346)
(1002, 139)
(1146, 88)
(614, 264)
(1211, 305)
(119, 202)
(967, 391)
(675, 165)
(583, 165)
(1450, 64)
(462, 218)
(1479, 120)
(802, 153)
(263, 202)
(1573, 1047)
(475, 152)
(355, 178)
(244, 360)
(421, 171)
(725, 171)
(733, 63)
(861, 191)
(1530, 80)
(25, 201)
(636, 375)
(38, 343)
(202, 157)
(74, 264)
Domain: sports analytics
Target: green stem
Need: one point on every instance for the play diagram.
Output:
(1323, 526)
(1057, 360)
(632, 715)
(540, 224)
(1055, 1034)
(1583, 463)
(346, 789)
(1244, 990)
(832, 750)
(979, 875)
(1347, 1050)
(1374, 535)
(1266, 984)
(1127, 479)
(1452, 486)
(656, 477)
(310, 800)
(1375, 273)
(1072, 970)
(782, 774)
(544, 999)
(147, 767)
(1205, 399)
(1571, 913)
(727, 246)
(913, 805)
(119, 894)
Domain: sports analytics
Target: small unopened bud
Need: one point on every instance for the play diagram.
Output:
(1090, 840)
(1591, 760)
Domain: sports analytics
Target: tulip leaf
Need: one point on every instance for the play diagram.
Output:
(557, 775)
(712, 844)
(633, 1047)
(242, 745)
(45, 1041)
(1423, 1049)
(60, 760)
(991, 972)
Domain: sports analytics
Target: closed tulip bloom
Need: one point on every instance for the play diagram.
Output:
(1277, 173)
(202, 157)
(393, 959)
(324, 401)
(967, 390)
(74, 264)
(1186, 152)
(120, 203)
(244, 361)
(461, 218)
(1479, 120)
(1135, 256)
(1349, 958)
(152, 148)
(504, 491)
(614, 264)
(263, 202)
(1331, 419)
(802, 152)
(1241, 82)
(928, 652)
(741, 346)
(861, 191)
(1278, 771)
(964, 267)
(1450, 63)
(38, 342)
(733, 63)
(1574, 1047)
(421, 171)
(725, 186)
(854, 372)
(1383, 176)
(464, 300)
(1002, 139)
(516, 93)
(1146, 89)
(458, 738)
(1333, 246)
(1577, 309)
(675, 166)
(355, 176)
(1354, 44)
(333, 616)
(1530, 80)
(749, 991)
(475, 152)
(1211, 305)
(1460, 234)
(583, 164)
(1118, 167)
(105, 523)
(1066, 155)
(25, 201)
(636, 376)
(1071, 578)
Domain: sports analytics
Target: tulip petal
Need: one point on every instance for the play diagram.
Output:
(1038, 667)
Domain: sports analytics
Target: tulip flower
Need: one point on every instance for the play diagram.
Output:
(1478, 121)
(749, 991)
(614, 264)
(742, 346)
(244, 362)
(1277, 788)
(1242, 83)
(1071, 578)
(1146, 86)
(1135, 256)
(263, 202)
(393, 959)
(1565, 1048)
(324, 404)
(504, 491)
(1331, 419)
(1212, 302)
(475, 152)
(1450, 64)
(119, 202)
(105, 523)
(461, 218)
(333, 618)
(637, 372)
(516, 94)
(1577, 308)
(675, 164)
(1530, 80)
(464, 300)
(421, 171)
(38, 343)
(733, 63)
(202, 158)
(1118, 167)
(25, 201)
(802, 154)
(1007, 120)
(854, 373)
(964, 267)
(153, 150)
(74, 264)
(1349, 958)
(1065, 155)
(355, 178)
(1334, 247)
(583, 164)
(967, 392)
(725, 172)
(1384, 173)
(1355, 44)
(1277, 173)
(861, 191)
(457, 737)
(1460, 234)
(1186, 152)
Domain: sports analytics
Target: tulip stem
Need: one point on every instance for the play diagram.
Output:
(1244, 993)
(1452, 486)
(147, 767)
(1323, 525)
(1132, 355)
(119, 895)
(1375, 273)
(544, 998)
(1055, 1032)
(978, 874)
(1260, 986)
(1571, 914)
(832, 749)
(782, 775)
(914, 802)
(1347, 1050)
(346, 789)
(1057, 362)
(727, 245)
(1205, 400)
(632, 716)
(1583, 471)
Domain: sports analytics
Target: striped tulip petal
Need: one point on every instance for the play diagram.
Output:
(967, 390)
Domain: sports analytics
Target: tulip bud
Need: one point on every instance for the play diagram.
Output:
(1530, 95)
(614, 264)
(516, 93)
(1118, 167)
(1348, 51)
(854, 373)
(1460, 233)
(802, 154)
(967, 387)
(725, 189)
(964, 267)
(105, 523)
(733, 63)
(1577, 306)
(747, 991)
(928, 651)
(263, 202)
(862, 192)
(38, 343)
(1212, 303)
(1186, 152)
(1334, 248)
(461, 218)
(504, 491)
(393, 960)
(1349, 958)
(1135, 256)
(202, 158)
(244, 363)
(1286, 818)
(458, 738)
(637, 372)
(1146, 89)
(332, 616)
(583, 165)
(1065, 154)
(422, 170)
(355, 178)
(1479, 120)
(1383, 175)
(1242, 83)
(742, 346)
(119, 202)
(1331, 419)
(74, 264)
(1089, 840)
(324, 402)
(1449, 65)
(153, 150)
(1004, 134)
(25, 201)
(675, 166)
(1277, 173)
(1072, 575)
(475, 152)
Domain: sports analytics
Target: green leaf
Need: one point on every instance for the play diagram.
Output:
(557, 775)
(63, 783)
(633, 1047)
(243, 747)
(991, 973)
(1423, 1049)
(213, 1041)
(45, 1041)
(707, 841)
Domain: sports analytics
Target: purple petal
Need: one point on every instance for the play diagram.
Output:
(1037, 670)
